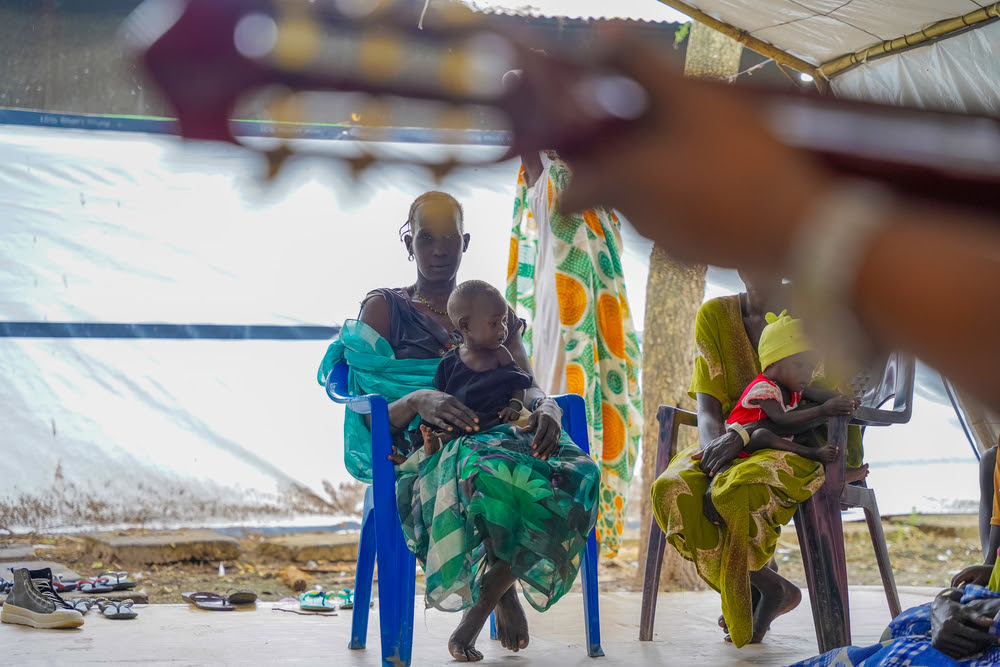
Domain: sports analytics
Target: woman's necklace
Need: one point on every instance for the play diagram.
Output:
(416, 295)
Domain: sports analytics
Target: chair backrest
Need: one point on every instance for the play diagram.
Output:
(336, 389)
(882, 383)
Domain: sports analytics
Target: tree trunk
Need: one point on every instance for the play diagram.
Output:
(674, 292)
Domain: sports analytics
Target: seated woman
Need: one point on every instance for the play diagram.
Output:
(478, 516)
(989, 522)
(751, 500)
(959, 628)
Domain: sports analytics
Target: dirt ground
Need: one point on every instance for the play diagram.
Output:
(924, 552)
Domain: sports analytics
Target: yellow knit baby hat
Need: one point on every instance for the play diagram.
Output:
(781, 338)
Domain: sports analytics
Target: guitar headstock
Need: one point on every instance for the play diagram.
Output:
(447, 69)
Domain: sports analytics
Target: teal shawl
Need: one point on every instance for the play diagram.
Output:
(374, 369)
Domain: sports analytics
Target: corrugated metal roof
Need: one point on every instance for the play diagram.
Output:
(640, 10)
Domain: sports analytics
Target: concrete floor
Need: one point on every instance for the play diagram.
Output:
(686, 635)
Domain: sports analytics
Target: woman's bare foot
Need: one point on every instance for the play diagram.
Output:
(512, 624)
(462, 643)
(432, 442)
(754, 601)
(708, 508)
(777, 596)
(856, 474)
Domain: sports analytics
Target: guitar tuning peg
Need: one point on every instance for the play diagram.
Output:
(440, 170)
(359, 163)
(276, 158)
(299, 39)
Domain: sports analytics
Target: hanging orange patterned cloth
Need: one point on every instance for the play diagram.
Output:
(564, 277)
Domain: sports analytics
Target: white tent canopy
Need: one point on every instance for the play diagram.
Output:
(941, 53)
(931, 53)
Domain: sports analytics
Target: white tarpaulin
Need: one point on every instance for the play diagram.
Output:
(111, 227)
(820, 30)
(961, 73)
(131, 228)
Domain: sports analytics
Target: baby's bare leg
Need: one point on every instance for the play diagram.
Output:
(764, 439)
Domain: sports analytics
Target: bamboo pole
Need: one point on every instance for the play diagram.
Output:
(745, 38)
(933, 32)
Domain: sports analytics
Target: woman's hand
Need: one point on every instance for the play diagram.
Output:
(719, 453)
(974, 574)
(445, 411)
(961, 630)
(545, 423)
(675, 202)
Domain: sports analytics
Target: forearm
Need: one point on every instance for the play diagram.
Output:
(797, 421)
(711, 424)
(532, 394)
(816, 394)
(991, 549)
(943, 311)
(402, 411)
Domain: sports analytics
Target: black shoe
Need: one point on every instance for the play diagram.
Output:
(34, 602)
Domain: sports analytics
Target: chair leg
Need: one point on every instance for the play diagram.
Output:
(396, 564)
(651, 581)
(493, 626)
(363, 576)
(821, 540)
(874, 520)
(591, 612)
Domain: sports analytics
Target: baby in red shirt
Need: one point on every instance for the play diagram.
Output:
(770, 404)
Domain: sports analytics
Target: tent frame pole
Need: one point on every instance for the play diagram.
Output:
(932, 33)
(823, 73)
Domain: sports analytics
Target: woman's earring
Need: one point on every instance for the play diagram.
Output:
(410, 258)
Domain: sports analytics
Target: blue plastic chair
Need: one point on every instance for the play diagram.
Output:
(382, 536)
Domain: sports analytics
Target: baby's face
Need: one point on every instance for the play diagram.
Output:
(796, 371)
(487, 325)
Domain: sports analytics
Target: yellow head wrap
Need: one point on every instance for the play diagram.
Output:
(781, 338)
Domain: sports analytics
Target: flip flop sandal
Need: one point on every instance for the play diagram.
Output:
(318, 601)
(116, 609)
(118, 581)
(82, 605)
(208, 601)
(65, 586)
(95, 585)
(240, 596)
(348, 596)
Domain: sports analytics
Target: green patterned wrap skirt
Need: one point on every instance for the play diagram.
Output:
(484, 497)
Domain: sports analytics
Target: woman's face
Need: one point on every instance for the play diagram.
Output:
(437, 241)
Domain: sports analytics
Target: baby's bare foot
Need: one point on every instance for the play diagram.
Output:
(825, 454)
(432, 442)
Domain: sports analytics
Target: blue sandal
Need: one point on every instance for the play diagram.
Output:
(318, 601)
(348, 596)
